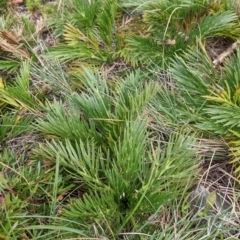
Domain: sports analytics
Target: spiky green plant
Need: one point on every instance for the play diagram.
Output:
(102, 109)
(175, 25)
(165, 28)
(104, 145)
(203, 97)
(88, 32)
(127, 183)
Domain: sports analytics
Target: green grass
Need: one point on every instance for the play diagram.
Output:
(113, 114)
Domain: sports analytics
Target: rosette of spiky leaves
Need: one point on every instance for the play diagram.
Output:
(203, 97)
(224, 98)
(88, 32)
(224, 106)
(128, 183)
(96, 105)
(103, 143)
(175, 25)
(180, 101)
